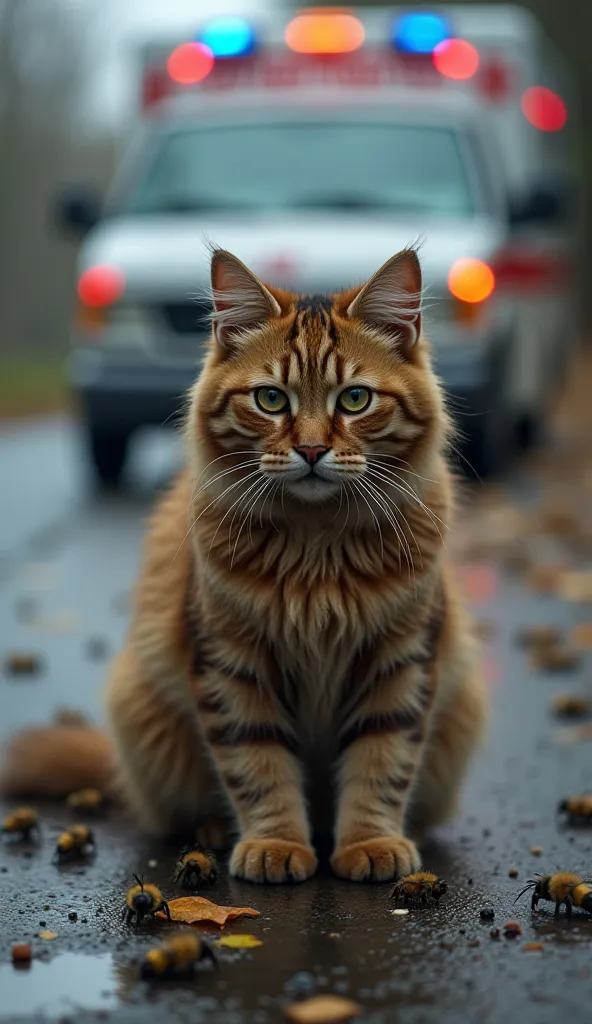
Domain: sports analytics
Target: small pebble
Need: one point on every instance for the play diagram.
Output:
(487, 913)
(512, 929)
(22, 664)
(536, 850)
(72, 916)
(21, 952)
(469, 881)
(400, 912)
(42, 924)
(152, 863)
(513, 873)
(495, 933)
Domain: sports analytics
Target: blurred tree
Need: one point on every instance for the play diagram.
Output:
(44, 53)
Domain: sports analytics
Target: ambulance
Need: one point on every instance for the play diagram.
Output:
(314, 144)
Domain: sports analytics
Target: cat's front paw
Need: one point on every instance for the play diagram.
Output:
(376, 860)
(272, 860)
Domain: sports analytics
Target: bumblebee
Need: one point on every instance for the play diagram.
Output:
(196, 866)
(22, 823)
(74, 842)
(562, 887)
(420, 886)
(176, 958)
(144, 900)
(578, 809)
(85, 800)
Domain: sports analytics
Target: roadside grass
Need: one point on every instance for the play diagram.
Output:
(31, 385)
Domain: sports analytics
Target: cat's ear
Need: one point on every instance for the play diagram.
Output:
(241, 301)
(391, 300)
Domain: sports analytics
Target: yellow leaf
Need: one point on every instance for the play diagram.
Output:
(322, 1010)
(195, 909)
(239, 941)
(48, 935)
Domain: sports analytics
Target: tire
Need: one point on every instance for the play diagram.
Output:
(108, 452)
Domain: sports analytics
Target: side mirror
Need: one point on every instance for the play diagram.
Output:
(543, 205)
(77, 208)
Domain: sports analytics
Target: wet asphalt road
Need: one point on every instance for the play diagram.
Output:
(69, 557)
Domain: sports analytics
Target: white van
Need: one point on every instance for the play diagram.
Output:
(314, 146)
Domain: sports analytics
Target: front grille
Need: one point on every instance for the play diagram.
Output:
(189, 317)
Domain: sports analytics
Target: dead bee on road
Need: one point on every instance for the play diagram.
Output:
(22, 823)
(562, 887)
(420, 886)
(578, 809)
(196, 866)
(85, 800)
(176, 958)
(74, 842)
(144, 900)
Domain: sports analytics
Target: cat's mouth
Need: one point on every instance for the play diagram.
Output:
(312, 487)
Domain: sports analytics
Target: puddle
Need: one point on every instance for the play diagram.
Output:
(57, 986)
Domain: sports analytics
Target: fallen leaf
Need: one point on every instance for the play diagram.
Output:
(239, 941)
(533, 947)
(195, 909)
(571, 705)
(322, 1010)
(48, 935)
(581, 635)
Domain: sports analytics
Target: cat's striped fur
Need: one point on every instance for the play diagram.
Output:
(289, 628)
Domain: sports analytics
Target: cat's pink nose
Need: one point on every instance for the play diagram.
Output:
(312, 452)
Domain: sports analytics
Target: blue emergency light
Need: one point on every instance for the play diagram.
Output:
(420, 32)
(228, 37)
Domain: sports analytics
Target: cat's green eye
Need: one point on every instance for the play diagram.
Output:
(271, 400)
(354, 399)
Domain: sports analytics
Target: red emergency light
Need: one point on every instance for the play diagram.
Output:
(190, 63)
(456, 58)
(100, 285)
(544, 109)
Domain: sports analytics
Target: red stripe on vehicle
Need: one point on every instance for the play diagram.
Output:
(529, 271)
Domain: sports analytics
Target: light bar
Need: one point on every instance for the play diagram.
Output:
(456, 59)
(324, 32)
(190, 63)
(228, 37)
(420, 32)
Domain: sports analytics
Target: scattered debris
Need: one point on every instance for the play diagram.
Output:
(536, 851)
(239, 941)
(23, 664)
(545, 579)
(513, 873)
(487, 913)
(327, 1009)
(533, 947)
(399, 911)
(72, 916)
(152, 863)
(97, 648)
(196, 867)
(175, 958)
(576, 586)
(85, 800)
(22, 823)
(71, 718)
(512, 929)
(48, 935)
(195, 909)
(494, 933)
(571, 705)
(21, 953)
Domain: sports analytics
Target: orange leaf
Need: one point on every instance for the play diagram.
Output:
(327, 1009)
(48, 935)
(195, 909)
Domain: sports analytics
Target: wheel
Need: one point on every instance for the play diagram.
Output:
(108, 451)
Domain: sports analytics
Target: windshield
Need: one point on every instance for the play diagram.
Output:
(398, 168)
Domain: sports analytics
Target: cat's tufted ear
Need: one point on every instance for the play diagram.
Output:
(391, 300)
(241, 302)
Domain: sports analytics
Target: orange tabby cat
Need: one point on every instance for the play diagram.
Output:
(296, 622)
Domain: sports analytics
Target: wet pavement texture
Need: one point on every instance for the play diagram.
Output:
(67, 561)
